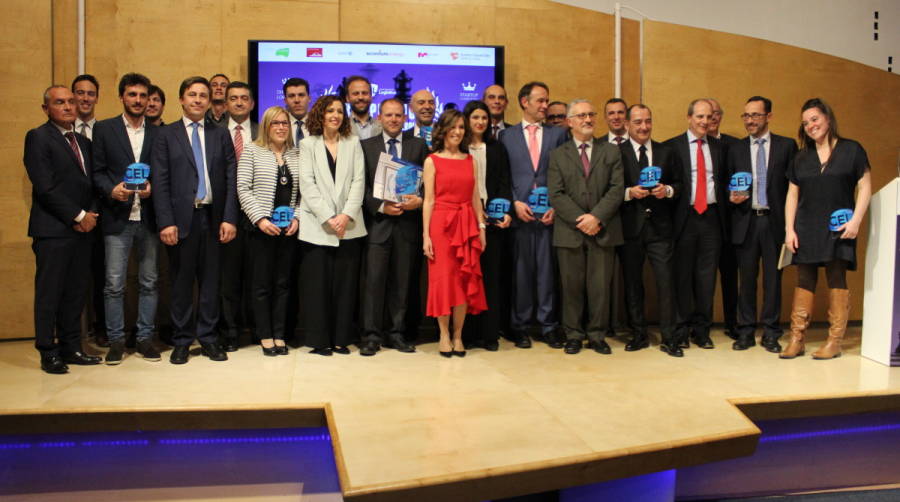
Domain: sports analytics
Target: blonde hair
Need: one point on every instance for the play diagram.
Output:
(268, 117)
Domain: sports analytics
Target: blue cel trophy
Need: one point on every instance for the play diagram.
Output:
(136, 176)
(838, 218)
(740, 183)
(539, 200)
(282, 216)
(650, 177)
(497, 209)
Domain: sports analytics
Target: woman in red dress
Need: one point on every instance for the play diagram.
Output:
(453, 232)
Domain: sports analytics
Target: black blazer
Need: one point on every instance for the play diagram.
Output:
(496, 176)
(659, 212)
(112, 154)
(59, 188)
(679, 144)
(380, 225)
(174, 177)
(781, 154)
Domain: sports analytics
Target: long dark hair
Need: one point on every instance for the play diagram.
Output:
(315, 122)
(822, 106)
(469, 109)
(448, 118)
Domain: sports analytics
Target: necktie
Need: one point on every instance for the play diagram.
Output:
(495, 131)
(619, 140)
(585, 163)
(198, 160)
(700, 195)
(74, 144)
(533, 148)
(643, 161)
(84, 127)
(761, 196)
(392, 147)
(299, 124)
(238, 143)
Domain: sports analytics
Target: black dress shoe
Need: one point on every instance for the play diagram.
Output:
(81, 359)
(180, 354)
(743, 342)
(213, 351)
(703, 341)
(572, 346)
(601, 347)
(670, 347)
(269, 351)
(492, 346)
(553, 339)
(730, 333)
(230, 344)
(53, 364)
(637, 342)
(369, 348)
(771, 344)
(522, 340)
(340, 349)
(399, 343)
(324, 351)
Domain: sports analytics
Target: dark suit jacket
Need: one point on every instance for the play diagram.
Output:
(522, 174)
(496, 176)
(59, 188)
(112, 154)
(380, 225)
(781, 154)
(174, 177)
(679, 144)
(658, 212)
(571, 194)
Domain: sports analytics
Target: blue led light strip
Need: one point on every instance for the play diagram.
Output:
(831, 432)
(165, 442)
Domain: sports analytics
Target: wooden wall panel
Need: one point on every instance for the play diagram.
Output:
(683, 63)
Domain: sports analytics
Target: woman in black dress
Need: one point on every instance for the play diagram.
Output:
(823, 178)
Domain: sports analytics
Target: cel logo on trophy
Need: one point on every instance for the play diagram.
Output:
(539, 200)
(838, 218)
(650, 177)
(497, 209)
(282, 216)
(136, 176)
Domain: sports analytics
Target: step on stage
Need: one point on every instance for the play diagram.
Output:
(414, 427)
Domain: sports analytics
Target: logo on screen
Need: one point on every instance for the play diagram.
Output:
(469, 86)
(374, 88)
(314, 52)
(284, 51)
(454, 56)
(423, 54)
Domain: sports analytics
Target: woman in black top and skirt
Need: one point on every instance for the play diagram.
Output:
(823, 178)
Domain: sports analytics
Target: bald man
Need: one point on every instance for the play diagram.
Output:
(422, 105)
(495, 99)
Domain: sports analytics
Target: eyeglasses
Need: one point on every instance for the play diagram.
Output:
(754, 116)
(280, 123)
(582, 116)
(559, 116)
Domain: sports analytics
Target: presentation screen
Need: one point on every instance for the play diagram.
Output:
(453, 73)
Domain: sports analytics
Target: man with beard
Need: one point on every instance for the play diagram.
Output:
(359, 96)
(156, 103)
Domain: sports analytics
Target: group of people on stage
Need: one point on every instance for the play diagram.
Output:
(579, 209)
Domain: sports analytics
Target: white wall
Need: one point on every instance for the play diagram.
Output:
(842, 28)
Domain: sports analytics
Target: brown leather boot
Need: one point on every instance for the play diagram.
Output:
(838, 312)
(801, 313)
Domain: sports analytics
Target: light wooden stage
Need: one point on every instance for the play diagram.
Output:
(422, 427)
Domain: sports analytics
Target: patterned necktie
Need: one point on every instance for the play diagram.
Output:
(533, 148)
(198, 160)
(643, 161)
(392, 147)
(299, 124)
(585, 163)
(761, 170)
(238, 143)
(700, 196)
(74, 145)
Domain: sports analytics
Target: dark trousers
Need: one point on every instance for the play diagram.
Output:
(389, 267)
(585, 269)
(660, 253)
(234, 282)
(195, 258)
(418, 282)
(270, 281)
(728, 280)
(96, 313)
(61, 279)
(496, 275)
(534, 277)
(329, 300)
(759, 245)
(696, 258)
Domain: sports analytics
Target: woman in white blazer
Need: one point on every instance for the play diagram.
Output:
(332, 182)
(267, 176)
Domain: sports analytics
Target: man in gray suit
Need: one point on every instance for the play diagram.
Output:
(586, 187)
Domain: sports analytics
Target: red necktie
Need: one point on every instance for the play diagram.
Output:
(74, 144)
(700, 195)
(238, 143)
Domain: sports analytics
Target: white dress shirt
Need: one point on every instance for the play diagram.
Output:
(136, 139)
(189, 129)
(246, 132)
(302, 123)
(86, 129)
(612, 139)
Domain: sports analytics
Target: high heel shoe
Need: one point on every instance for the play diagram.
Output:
(459, 353)
(281, 350)
(340, 349)
(445, 354)
(268, 351)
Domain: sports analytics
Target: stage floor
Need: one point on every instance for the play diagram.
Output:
(419, 426)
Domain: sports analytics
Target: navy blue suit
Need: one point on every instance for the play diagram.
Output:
(533, 246)
(196, 255)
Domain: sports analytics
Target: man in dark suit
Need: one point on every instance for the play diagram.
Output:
(728, 262)
(127, 217)
(614, 112)
(423, 107)
(236, 265)
(195, 197)
(586, 189)
(495, 99)
(529, 144)
(394, 232)
(58, 163)
(699, 225)
(647, 225)
(757, 222)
